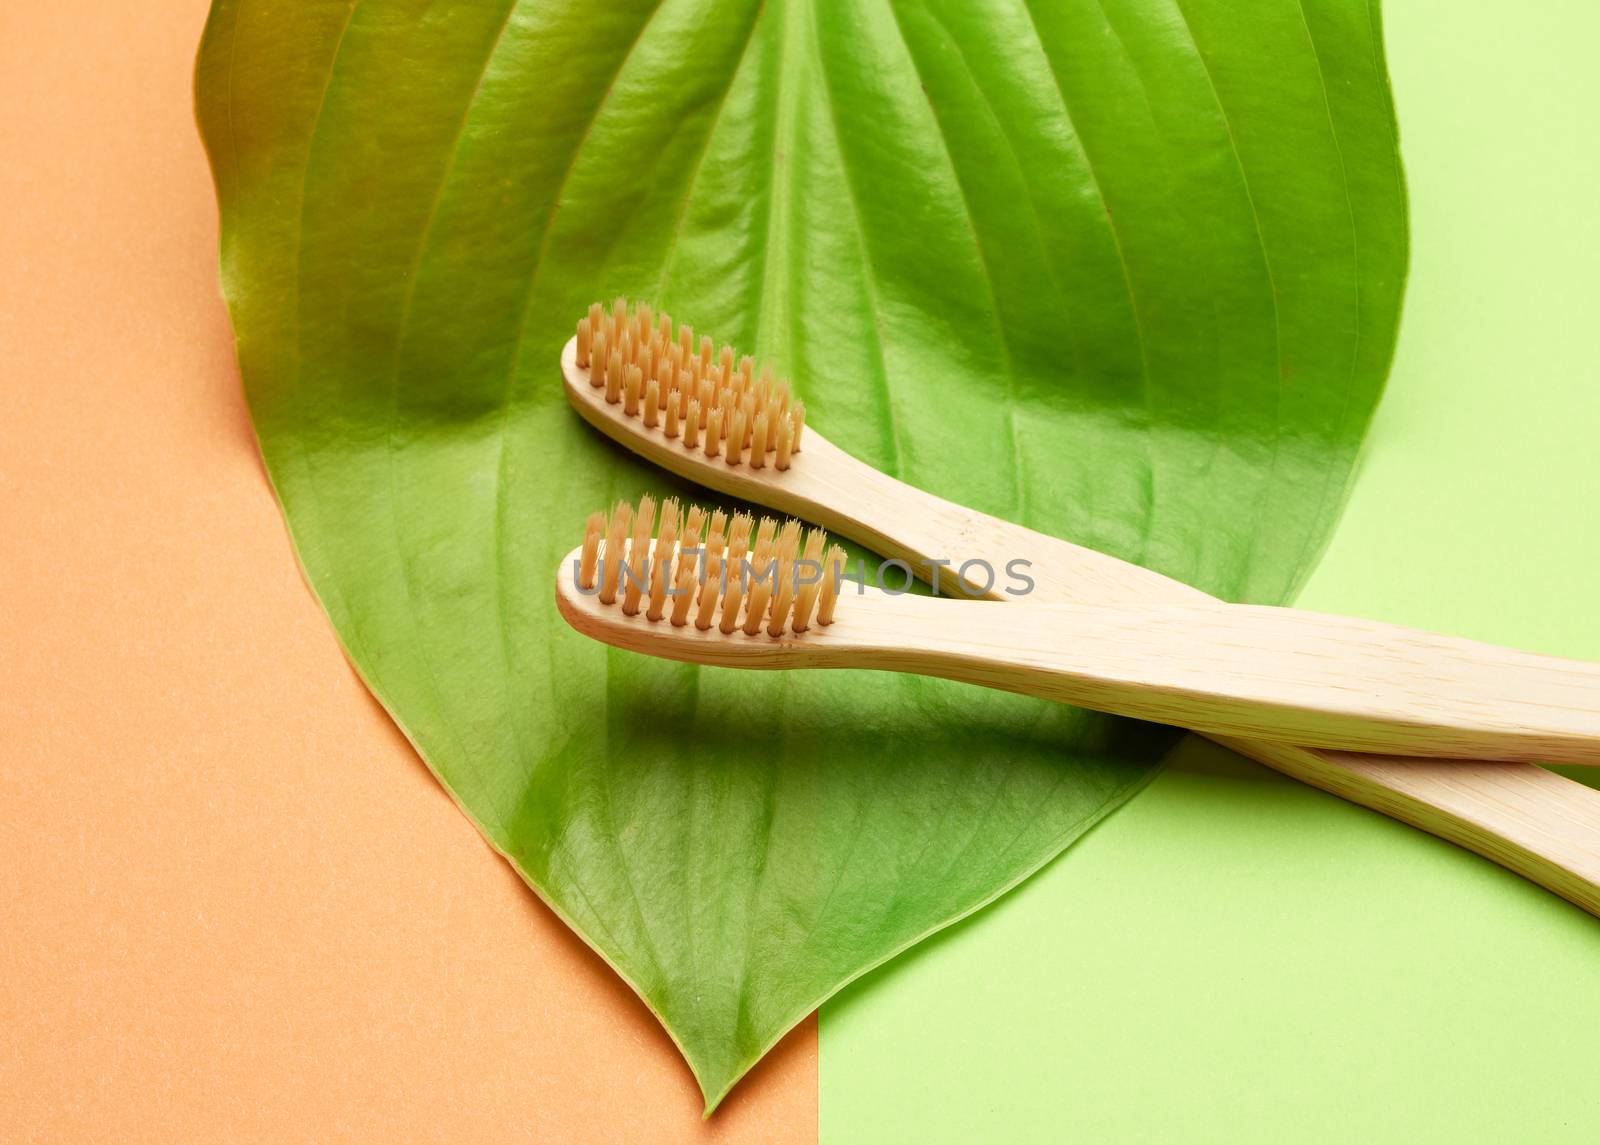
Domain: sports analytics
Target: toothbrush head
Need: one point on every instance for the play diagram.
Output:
(744, 576)
(697, 396)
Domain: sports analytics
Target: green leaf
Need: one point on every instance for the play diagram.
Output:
(1128, 271)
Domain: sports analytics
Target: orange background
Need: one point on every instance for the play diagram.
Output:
(235, 906)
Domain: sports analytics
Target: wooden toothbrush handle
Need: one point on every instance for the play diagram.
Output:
(1248, 672)
(1531, 821)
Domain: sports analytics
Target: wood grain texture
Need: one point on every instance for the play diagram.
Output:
(1221, 669)
(1529, 820)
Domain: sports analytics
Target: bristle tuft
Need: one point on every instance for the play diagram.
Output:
(758, 441)
(672, 426)
(616, 532)
(593, 531)
(631, 379)
(636, 572)
(585, 342)
(652, 404)
(714, 432)
(751, 575)
(832, 572)
(613, 379)
(785, 443)
(661, 557)
(810, 573)
(659, 373)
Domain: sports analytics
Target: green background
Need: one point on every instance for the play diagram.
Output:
(1235, 957)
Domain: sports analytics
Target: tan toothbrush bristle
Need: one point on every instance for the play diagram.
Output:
(689, 546)
(783, 597)
(706, 610)
(714, 432)
(716, 546)
(672, 516)
(683, 598)
(772, 590)
(758, 442)
(652, 404)
(600, 356)
(658, 589)
(584, 342)
(759, 594)
(731, 597)
(593, 530)
(788, 546)
(806, 594)
(637, 571)
(671, 428)
(761, 547)
(684, 369)
(789, 540)
(782, 602)
(739, 537)
(691, 426)
(763, 572)
(616, 537)
(831, 574)
(785, 443)
(630, 389)
(661, 573)
(695, 520)
(614, 376)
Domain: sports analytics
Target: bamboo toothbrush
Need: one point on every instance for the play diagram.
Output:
(1265, 673)
(1532, 821)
